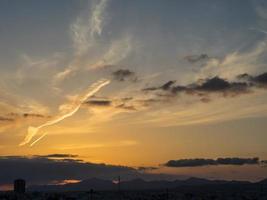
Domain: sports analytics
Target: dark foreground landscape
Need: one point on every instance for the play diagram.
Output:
(193, 188)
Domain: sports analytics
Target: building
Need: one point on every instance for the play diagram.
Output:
(19, 186)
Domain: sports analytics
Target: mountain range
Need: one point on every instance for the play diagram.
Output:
(138, 184)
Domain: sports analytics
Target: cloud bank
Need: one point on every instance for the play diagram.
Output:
(43, 169)
(197, 162)
(245, 83)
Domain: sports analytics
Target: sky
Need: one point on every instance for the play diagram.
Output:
(153, 89)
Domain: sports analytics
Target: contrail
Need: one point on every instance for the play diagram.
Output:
(37, 140)
(32, 131)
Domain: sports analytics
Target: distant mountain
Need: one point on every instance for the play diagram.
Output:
(136, 184)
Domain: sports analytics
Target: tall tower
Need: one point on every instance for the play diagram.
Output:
(19, 186)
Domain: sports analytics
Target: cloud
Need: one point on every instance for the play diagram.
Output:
(262, 78)
(97, 18)
(235, 63)
(196, 162)
(220, 85)
(126, 107)
(104, 109)
(33, 115)
(123, 75)
(196, 58)
(93, 49)
(255, 81)
(98, 102)
(65, 73)
(245, 83)
(57, 156)
(43, 169)
(84, 32)
(117, 51)
(165, 86)
(237, 161)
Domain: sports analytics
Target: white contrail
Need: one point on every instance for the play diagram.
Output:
(32, 131)
(37, 140)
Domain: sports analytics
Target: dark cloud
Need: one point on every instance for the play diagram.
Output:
(245, 83)
(57, 156)
(258, 80)
(190, 162)
(244, 76)
(33, 115)
(43, 169)
(237, 161)
(196, 58)
(123, 75)
(117, 103)
(261, 79)
(212, 85)
(220, 85)
(196, 162)
(99, 102)
(165, 86)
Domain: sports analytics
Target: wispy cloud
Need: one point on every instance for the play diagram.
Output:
(87, 36)
(85, 32)
(117, 51)
(235, 63)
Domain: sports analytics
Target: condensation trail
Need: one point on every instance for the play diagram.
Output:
(32, 131)
(38, 139)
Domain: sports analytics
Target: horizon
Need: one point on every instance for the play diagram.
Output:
(182, 181)
(150, 89)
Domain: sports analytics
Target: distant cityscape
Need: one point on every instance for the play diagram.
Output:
(138, 189)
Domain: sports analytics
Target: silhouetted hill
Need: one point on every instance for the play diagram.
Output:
(136, 184)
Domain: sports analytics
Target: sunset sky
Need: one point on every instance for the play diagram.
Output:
(134, 84)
